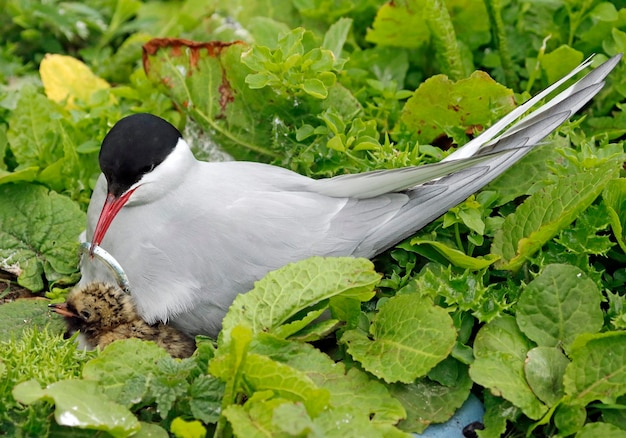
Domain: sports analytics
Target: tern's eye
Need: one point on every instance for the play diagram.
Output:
(85, 314)
(147, 169)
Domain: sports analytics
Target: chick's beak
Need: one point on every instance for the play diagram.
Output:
(61, 309)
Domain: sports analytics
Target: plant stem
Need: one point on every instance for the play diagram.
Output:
(494, 10)
(444, 39)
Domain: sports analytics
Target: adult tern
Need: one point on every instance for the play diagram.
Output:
(192, 235)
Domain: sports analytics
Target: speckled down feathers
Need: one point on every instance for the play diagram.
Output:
(104, 313)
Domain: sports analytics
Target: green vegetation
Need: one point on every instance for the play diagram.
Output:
(516, 295)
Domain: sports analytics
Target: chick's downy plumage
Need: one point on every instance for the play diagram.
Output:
(103, 313)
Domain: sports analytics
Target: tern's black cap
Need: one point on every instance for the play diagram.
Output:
(133, 147)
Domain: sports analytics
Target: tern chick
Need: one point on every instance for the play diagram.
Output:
(103, 313)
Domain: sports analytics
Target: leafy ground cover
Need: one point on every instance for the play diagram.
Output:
(516, 295)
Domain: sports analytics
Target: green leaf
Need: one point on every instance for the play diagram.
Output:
(605, 430)
(335, 37)
(560, 62)
(547, 212)
(228, 363)
(315, 88)
(151, 430)
(569, 419)
(27, 175)
(39, 234)
(526, 175)
(264, 416)
(206, 394)
(292, 418)
(399, 24)
(79, 403)
(544, 370)
(497, 412)
(597, 370)
(407, 338)
(262, 373)
(351, 389)
(208, 81)
(500, 350)
(34, 134)
(123, 369)
(614, 196)
(440, 104)
(283, 293)
(456, 257)
(18, 315)
(427, 402)
(558, 305)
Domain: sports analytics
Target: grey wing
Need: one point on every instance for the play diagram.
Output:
(428, 201)
(492, 148)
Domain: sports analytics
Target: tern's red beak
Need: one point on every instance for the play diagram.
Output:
(112, 205)
(61, 309)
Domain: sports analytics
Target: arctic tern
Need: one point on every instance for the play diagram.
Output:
(192, 235)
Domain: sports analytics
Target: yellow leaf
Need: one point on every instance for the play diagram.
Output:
(187, 429)
(67, 79)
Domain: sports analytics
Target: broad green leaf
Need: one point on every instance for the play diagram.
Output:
(335, 37)
(34, 133)
(317, 330)
(265, 29)
(456, 257)
(588, 234)
(604, 11)
(263, 416)
(440, 104)
(207, 80)
(262, 373)
(428, 402)
(288, 329)
(39, 234)
(345, 422)
(206, 394)
(283, 293)
(500, 350)
(529, 172)
(351, 389)
(27, 175)
(544, 370)
(151, 430)
(569, 419)
(399, 24)
(79, 403)
(124, 368)
(598, 368)
(614, 196)
(497, 412)
(407, 338)
(560, 62)
(558, 305)
(292, 419)
(18, 315)
(547, 212)
(66, 79)
(229, 362)
(315, 88)
(604, 430)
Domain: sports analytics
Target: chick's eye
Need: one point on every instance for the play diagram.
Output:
(85, 314)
